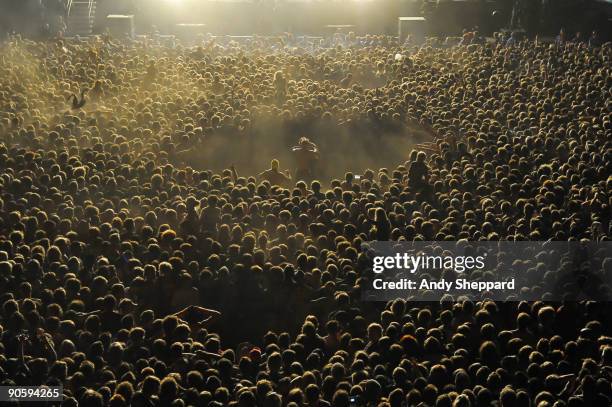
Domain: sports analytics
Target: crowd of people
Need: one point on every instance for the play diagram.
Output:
(148, 258)
(40, 19)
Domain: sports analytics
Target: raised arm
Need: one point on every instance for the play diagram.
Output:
(234, 174)
(208, 315)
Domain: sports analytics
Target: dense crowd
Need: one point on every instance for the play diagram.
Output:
(144, 262)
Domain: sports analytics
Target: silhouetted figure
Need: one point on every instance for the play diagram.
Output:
(275, 176)
(280, 87)
(97, 92)
(306, 156)
(347, 80)
(77, 102)
(418, 173)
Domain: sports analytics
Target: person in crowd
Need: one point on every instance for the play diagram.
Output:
(560, 38)
(594, 40)
(418, 173)
(275, 176)
(306, 155)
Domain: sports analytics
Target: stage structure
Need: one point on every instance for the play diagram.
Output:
(121, 26)
(315, 17)
(413, 27)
